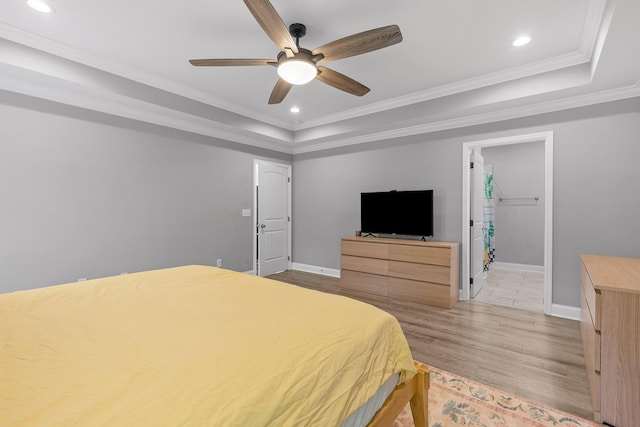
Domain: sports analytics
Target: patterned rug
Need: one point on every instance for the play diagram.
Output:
(456, 401)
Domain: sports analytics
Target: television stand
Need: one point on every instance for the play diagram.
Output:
(412, 270)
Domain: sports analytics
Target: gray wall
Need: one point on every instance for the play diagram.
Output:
(596, 197)
(326, 194)
(85, 195)
(88, 195)
(518, 172)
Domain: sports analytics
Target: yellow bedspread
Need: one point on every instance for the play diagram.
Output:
(191, 346)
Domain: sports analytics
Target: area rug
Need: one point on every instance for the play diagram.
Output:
(457, 401)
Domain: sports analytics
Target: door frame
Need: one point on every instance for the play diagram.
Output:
(478, 224)
(467, 147)
(255, 256)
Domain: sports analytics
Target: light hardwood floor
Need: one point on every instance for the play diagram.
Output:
(522, 352)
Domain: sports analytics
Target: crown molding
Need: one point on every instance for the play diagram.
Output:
(41, 84)
(552, 64)
(63, 51)
(593, 26)
(34, 84)
(66, 52)
(590, 33)
(37, 85)
(482, 118)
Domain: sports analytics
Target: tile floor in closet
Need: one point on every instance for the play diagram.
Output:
(513, 288)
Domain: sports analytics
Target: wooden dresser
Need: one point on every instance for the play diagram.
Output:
(610, 328)
(413, 270)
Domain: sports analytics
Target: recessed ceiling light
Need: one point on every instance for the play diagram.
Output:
(40, 6)
(295, 109)
(521, 41)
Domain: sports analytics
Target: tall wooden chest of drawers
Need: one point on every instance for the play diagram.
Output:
(610, 329)
(413, 270)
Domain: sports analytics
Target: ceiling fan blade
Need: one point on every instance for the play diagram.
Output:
(280, 90)
(340, 81)
(360, 43)
(230, 62)
(272, 24)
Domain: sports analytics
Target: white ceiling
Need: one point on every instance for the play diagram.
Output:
(455, 66)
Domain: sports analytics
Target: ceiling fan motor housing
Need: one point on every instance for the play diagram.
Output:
(297, 31)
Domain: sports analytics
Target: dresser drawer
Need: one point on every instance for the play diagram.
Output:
(421, 272)
(593, 298)
(591, 348)
(421, 292)
(364, 282)
(364, 249)
(368, 265)
(590, 339)
(421, 255)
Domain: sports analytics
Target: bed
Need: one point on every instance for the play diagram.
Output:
(201, 346)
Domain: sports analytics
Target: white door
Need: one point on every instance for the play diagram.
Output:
(273, 183)
(477, 219)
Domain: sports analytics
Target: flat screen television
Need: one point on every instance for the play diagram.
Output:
(408, 213)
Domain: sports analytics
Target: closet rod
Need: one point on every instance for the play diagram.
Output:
(536, 198)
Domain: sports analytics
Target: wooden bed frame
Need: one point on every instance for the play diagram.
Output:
(415, 391)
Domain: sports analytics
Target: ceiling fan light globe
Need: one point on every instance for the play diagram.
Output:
(297, 71)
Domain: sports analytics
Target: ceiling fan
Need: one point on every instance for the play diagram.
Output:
(296, 65)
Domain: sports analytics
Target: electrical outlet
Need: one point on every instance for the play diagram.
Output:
(219, 263)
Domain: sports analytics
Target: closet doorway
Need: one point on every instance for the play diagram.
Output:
(471, 255)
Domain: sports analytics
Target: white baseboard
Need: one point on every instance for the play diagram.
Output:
(521, 267)
(565, 311)
(332, 272)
